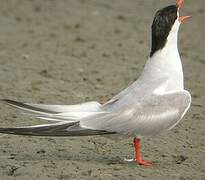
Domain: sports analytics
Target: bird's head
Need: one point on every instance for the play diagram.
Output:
(166, 22)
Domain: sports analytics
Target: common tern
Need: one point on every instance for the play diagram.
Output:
(155, 102)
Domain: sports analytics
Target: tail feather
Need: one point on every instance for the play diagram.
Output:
(28, 107)
(69, 117)
(56, 112)
(84, 107)
(53, 109)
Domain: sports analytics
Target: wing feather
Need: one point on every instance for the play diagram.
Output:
(58, 129)
(149, 116)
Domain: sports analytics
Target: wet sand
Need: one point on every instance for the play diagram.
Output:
(71, 51)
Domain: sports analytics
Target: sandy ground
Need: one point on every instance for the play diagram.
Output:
(70, 51)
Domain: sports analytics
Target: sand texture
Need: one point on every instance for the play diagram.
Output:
(71, 51)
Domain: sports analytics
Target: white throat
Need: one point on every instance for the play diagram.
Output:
(166, 63)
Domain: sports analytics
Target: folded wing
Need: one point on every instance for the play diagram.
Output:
(149, 116)
(57, 129)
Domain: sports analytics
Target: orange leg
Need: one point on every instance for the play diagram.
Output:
(138, 157)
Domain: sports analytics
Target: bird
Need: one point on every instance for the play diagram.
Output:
(154, 103)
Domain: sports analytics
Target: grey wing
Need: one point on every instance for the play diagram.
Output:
(57, 129)
(149, 116)
(143, 116)
(138, 90)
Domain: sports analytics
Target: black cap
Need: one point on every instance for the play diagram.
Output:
(161, 27)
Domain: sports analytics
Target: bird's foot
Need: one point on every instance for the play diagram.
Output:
(144, 162)
(140, 162)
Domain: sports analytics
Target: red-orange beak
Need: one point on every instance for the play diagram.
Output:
(183, 18)
(179, 5)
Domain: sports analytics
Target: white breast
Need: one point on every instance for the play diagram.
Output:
(166, 63)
